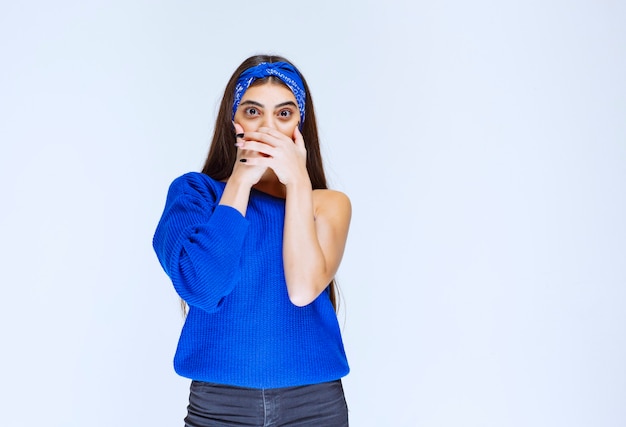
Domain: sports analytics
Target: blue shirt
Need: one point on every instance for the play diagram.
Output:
(241, 328)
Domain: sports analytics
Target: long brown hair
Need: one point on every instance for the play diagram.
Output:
(222, 152)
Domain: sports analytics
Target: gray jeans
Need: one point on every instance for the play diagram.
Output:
(319, 405)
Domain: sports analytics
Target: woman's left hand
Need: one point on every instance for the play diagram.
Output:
(286, 157)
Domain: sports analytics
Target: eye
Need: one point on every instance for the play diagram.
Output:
(251, 111)
(285, 114)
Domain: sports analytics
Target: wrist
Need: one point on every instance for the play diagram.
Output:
(238, 184)
(302, 183)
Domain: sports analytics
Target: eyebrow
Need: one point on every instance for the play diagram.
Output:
(258, 104)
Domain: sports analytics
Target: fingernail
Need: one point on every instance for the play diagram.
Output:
(243, 160)
(239, 135)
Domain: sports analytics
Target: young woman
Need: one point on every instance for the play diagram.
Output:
(252, 245)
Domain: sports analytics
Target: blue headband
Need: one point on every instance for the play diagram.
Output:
(284, 71)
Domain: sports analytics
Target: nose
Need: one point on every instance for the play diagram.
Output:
(269, 121)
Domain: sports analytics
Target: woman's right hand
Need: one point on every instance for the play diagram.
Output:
(237, 191)
(243, 173)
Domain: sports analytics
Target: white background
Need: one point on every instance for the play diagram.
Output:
(483, 145)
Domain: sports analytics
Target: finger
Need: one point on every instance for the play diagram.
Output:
(271, 131)
(268, 136)
(238, 134)
(259, 148)
(297, 137)
(255, 161)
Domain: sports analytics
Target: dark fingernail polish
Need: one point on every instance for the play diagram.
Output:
(239, 135)
(243, 160)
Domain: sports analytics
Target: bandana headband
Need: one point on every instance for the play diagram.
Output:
(284, 71)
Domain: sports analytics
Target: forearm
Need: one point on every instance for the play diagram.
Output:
(204, 262)
(194, 237)
(236, 195)
(306, 272)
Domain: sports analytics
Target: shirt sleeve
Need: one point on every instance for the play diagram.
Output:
(199, 242)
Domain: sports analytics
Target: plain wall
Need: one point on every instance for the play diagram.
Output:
(483, 146)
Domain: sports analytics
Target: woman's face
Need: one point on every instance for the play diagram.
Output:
(268, 105)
